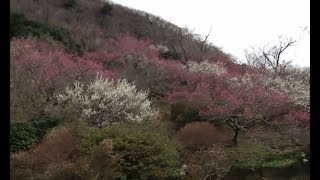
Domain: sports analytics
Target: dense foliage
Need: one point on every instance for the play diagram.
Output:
(23, 136)
(147, 155)
(144, 154)
(44, 123)
(20, 26)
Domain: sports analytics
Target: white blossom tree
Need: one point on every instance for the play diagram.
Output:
(206, 67)
(107, 101)
(296, 85)
(297, 89)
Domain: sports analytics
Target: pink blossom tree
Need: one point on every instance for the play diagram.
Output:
(238, 101)
(138, 62)
(47, 68)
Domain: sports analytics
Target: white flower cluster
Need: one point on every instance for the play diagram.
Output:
(297, 89)
(246, 79)
(106, 101)
(206, 67)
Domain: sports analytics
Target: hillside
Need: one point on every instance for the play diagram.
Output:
(89, 25)
(102, 91)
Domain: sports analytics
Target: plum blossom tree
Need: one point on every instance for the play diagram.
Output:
(238, 101)
(250, 98)
(298, 120)
(157, 75)
(244, 101)
(106, 101)
(51, 67)
(39, 68)
(206, 67)
(297, 85)
(139, 63)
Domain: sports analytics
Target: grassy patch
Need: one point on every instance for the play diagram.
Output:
(266, 162)
(278, 163)
(255, 155)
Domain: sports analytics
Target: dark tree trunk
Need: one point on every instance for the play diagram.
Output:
(235, 136)
(234, 125)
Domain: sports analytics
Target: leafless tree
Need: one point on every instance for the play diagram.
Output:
(273, 55)
(270, 57)
(189, 45)
(255, 59)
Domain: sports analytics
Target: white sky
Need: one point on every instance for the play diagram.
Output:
(237, 24)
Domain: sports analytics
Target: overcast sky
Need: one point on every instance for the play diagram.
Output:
(238, 24)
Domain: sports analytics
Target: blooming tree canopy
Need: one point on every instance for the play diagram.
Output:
(206, 67)
(106, 101)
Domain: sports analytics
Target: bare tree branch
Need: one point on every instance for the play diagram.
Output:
(203, 43)
(270, 56)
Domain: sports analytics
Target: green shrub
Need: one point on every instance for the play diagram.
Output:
(104, 163)
(57, 154)
(144, 154)
(106, 9)
(183, 112)
(20, 26)
(22, 136)
(44, 123)
(92, 139)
